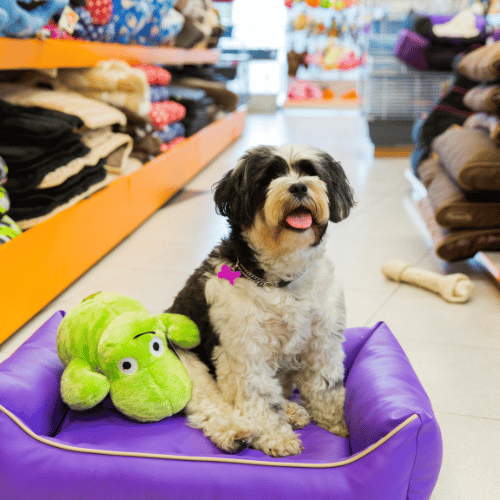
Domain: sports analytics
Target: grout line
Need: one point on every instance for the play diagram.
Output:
(467, 416)
(371, 318)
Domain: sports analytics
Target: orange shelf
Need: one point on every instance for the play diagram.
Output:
(43, 261)
(336, 103)
(32, 53)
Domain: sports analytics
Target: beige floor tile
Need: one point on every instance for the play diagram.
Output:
(24, 333)
(362, 306)
(471, 458)
(459, 380)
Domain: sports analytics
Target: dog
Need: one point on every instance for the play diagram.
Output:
(280, 324)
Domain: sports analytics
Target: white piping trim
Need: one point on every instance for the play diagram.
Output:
(348, 461)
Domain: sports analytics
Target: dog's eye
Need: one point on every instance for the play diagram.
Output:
(156, 346)
(128, 366)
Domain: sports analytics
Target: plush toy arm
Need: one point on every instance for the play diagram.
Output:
(81, 387)
(180, 330)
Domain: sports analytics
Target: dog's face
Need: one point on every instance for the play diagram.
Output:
(283, 197)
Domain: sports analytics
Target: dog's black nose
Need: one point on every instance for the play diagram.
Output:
(298, 189)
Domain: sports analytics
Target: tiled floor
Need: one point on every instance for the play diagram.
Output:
(455, 349)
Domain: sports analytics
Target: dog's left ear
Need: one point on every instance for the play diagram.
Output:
(340, 193)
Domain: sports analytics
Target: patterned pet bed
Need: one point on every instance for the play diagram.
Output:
(48, 452)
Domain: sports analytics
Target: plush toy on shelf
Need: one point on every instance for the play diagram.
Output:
(110, 344)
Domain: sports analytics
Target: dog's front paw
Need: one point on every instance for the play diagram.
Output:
(339, 428)
(235, 440)
(297, 416)
(279, 444)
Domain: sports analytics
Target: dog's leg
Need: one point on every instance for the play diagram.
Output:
(322, 390)
(297, 415)
(209, 412)
(257, 393)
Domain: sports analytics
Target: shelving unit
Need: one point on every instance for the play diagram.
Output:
(43, 261)
(30, 54)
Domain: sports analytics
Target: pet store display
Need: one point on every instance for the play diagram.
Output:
(434, 41)
(324, 40)
(457, 157)
(455, 288)
(395, 444)
(26, 19)
(109, 343)
(53, 167)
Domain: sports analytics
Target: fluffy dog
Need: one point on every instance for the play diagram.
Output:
(280, 324)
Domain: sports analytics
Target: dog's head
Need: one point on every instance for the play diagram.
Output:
(284, 196)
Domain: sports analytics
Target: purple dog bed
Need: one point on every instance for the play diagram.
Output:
(49, 452)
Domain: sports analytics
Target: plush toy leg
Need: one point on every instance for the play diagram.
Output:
(82, 388)
(180, 330)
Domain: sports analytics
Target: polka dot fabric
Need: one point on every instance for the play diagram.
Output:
(164, 113)
(100, 10)
(155, 75)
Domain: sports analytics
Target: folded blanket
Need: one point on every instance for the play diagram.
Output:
(20, 125)
(455, 245)
(171, 132)
(470, 157)
(223, 97)
(30, 164)
(164, 113)
(483, 64)
(483, 98)
(160, 93)
(103, 144)
(449, 203)
(39, 205)
(155, 75)
(490, 123)
(114, 82)
(94, 114)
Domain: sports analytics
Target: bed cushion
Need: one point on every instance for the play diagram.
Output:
(50, 452)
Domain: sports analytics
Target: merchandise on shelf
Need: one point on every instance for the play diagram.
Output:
(25, 19)
(457, 157)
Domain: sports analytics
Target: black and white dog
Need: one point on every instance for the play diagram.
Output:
(280, 324)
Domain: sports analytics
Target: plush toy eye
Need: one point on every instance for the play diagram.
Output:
(156, 346)
(128, 366)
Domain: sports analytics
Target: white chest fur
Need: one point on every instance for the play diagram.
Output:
(276, 326)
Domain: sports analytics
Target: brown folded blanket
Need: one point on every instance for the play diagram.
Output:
(484, 98)
(483, 64)
(449, 203)
(458, 244)
(470, 157)
(490, 123)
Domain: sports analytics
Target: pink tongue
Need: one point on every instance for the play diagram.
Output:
(303, 221)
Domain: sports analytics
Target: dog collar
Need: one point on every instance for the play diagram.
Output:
(259, 281)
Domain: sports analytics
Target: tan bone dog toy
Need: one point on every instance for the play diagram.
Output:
(453, 288)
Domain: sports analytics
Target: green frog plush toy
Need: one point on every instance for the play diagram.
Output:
(110, 344)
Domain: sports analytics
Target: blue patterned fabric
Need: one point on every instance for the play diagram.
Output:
(163, 25)
(129, 17)
(171, 132)
(87, 31)
(159, 93)
(18, 22)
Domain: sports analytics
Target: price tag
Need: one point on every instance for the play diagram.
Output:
(68, 20)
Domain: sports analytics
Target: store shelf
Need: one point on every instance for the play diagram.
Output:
(43, 261)
(323, 103)
(32, 53)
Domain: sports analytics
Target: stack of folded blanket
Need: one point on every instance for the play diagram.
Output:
(165, 114)
(462, 173)
(60, 148)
